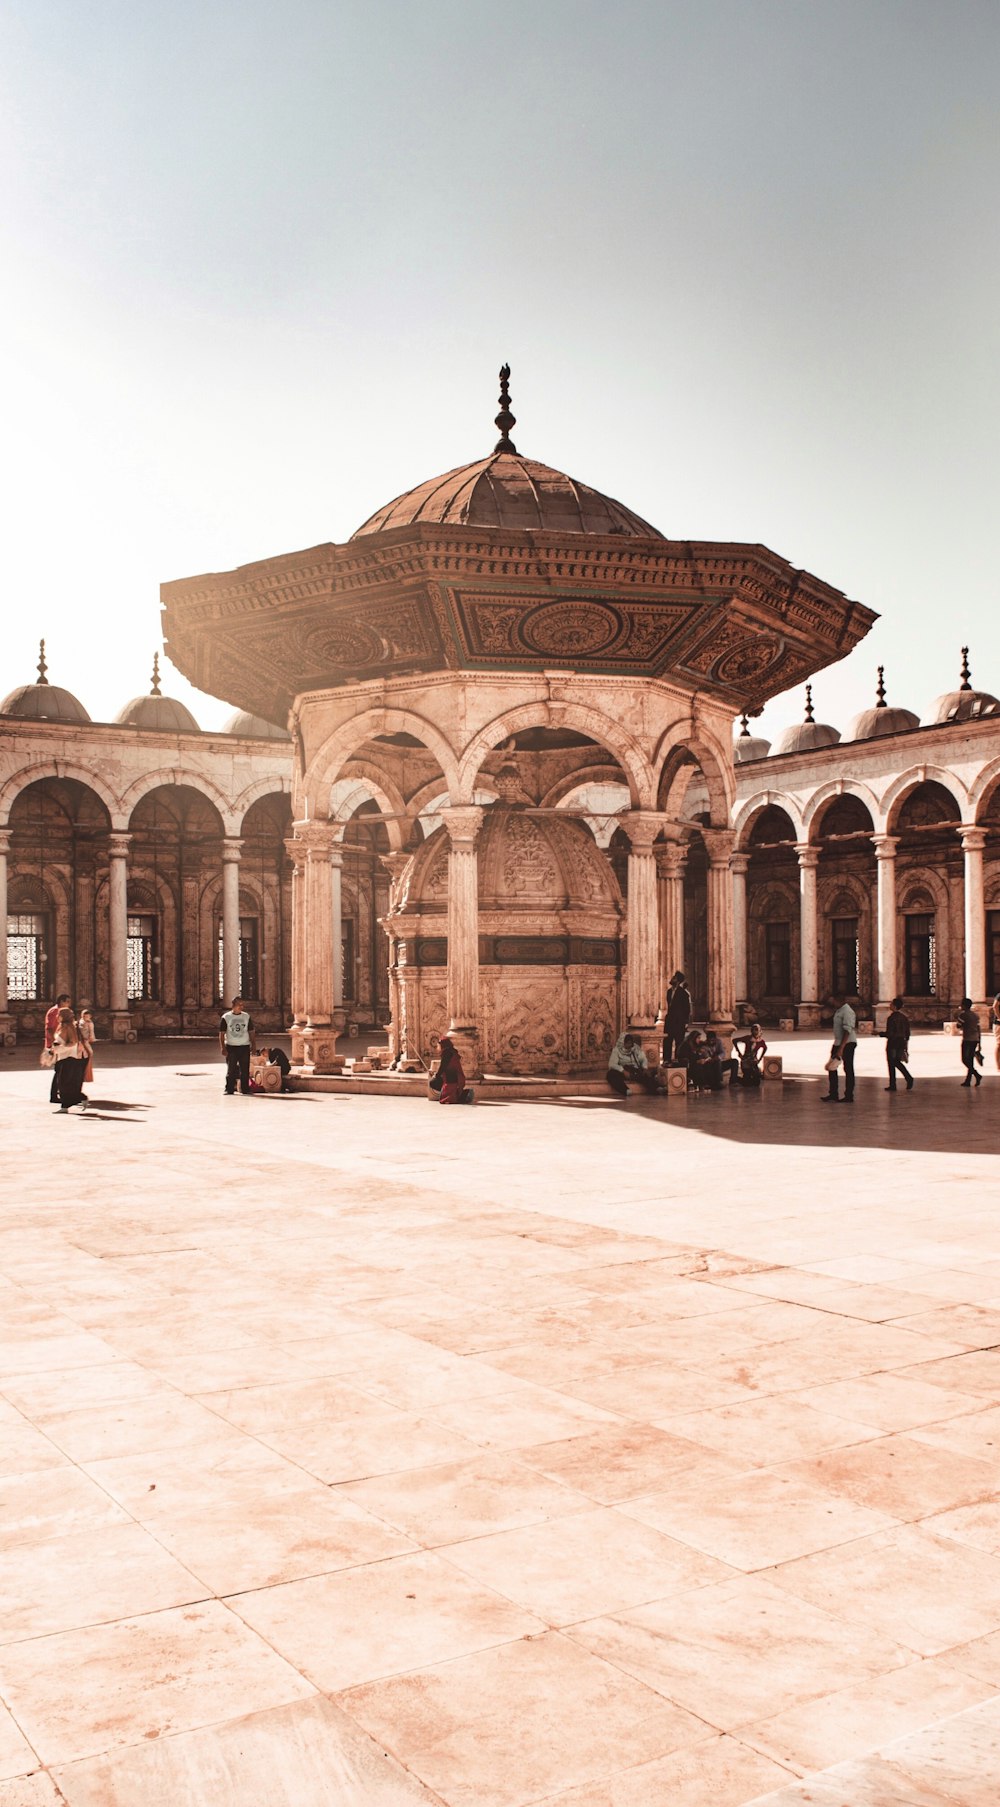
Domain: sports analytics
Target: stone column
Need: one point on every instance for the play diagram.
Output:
(721, 978)
(395, 864)
(738, 865)
(462, 826)
(8, 1034)
(319, 1033)
(337, 933)
(973, 842)
(296, 851)
(885, 855)
(671, 859)
(643, 971)
(118, 848)
(808, 1011)
(231, 852)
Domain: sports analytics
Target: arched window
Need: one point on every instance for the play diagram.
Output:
(921, 946)
(29, 929)
(144, 940)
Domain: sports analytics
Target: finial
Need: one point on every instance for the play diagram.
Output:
(965, 685)
(42, 667)
(744, 725)
(880, 691)
(809, 703)
(505, 419)
(156, 675)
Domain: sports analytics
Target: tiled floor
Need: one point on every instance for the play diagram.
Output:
(587, 1454)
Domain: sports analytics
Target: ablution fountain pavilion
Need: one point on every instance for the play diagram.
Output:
(486, 667)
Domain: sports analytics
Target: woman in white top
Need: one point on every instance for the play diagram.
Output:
(72, 1055)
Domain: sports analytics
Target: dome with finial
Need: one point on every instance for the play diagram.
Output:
(510, 491)
(253, 727)
(885, 718)
(42, 701)
(964, 704)
(809, 734)
(156, 713)
(747, 746)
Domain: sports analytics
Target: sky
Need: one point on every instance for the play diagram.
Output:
(261, 264)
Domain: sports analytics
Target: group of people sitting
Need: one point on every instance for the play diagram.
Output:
(701, 1051)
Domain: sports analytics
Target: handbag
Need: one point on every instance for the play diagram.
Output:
(47, 1057)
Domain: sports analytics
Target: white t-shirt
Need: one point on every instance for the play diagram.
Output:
(236, 1028)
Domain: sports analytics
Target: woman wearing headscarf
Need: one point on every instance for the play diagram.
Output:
(449, 1080)
(72, 1055)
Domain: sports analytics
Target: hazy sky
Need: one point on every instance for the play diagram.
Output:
(261, 263)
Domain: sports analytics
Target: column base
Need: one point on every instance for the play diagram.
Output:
(808, 1016)
(8, 1030)
(319, 1048)
(650, 1039)
(297, 1052)
(466, 1040)
(121, 1027)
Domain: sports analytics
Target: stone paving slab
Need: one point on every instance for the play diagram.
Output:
(575, 1452)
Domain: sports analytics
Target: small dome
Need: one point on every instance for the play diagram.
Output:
(42, 701)
(157, 714)
(253, 727)
(747, 746)
(808, 735)
(872, 724)
(963, 704)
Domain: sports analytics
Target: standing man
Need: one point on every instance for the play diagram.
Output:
(51, 1025)
(238, 1042)
(845, 1041)
(676, 1017)
(972, 1042)
(897, 1045)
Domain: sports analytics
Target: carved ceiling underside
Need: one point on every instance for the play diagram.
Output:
(733, 619)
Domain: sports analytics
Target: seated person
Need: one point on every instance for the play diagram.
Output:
(278, 1058)
(704, 1068)
(449, 1080)
(718, 1064)
(627, 1061)
(750, 1050)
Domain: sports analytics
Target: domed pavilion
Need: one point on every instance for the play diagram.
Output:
(526, 693)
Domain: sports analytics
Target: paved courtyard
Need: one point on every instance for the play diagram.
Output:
(361, 1454)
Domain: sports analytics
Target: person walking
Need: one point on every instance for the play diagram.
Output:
(87, 1033)
(995, 1017)
(238, 1042)
(676, 1017)
(51, 1025)
(897, 1045)
(845, 1042)
(72, 1054)
(972, 1042)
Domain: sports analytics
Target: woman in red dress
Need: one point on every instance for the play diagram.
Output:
(451, 1073)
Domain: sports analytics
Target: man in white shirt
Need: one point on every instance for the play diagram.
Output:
(627, 1061)
(845, 1041)
(238, 1042)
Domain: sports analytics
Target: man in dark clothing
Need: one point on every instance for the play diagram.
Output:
(278, 1058)
(972, 1035)
(897, 1045)
(676, 1018)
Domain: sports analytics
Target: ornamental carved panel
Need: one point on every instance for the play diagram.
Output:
(501, 628)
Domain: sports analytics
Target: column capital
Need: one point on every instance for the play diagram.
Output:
(671, 858)
(642, 827)
(118, 846)
(739, 863)
(463, 822)
(316, 837)
(808, 854)
(5, 834)
(885, 846)
(973, 838)
(296, 851)
(232, 848)
(395, 863)
(719, 844)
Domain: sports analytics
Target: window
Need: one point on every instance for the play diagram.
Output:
(777, 959)
(846, 968)
(248, 979)
(26, 957)
(920, 957)
(993, 952)
(142, 963)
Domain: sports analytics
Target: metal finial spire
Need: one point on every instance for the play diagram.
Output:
(42, 667)
(505, 419)
(880, 691)
(965, 684)
(809, 703)
(155, 691)
(744, 725)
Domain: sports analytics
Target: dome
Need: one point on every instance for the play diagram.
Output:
(963, 704)
(872, 724)
(528, 864)
(42, 701)
(808, 735)
(506, 490)
(747, 746)
(157, 714)
(253, 727)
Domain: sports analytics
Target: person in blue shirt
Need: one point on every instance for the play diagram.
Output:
(845, 1042)
(238, 1042)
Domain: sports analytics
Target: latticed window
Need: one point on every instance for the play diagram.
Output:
(142, 967)
(921, 958)
(993, 952)
(777, 959)
(846, 962)
(249, 968)
(26, 956)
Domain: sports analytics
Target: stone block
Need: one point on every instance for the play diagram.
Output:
(773, 1067)
(677, 1079)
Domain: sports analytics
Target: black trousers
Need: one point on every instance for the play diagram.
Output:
(969, 1051)
(69, 1081)
(895, 1057)
(848, 1060)
(54, 1087)
(238, 1068)
(673, 1041)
